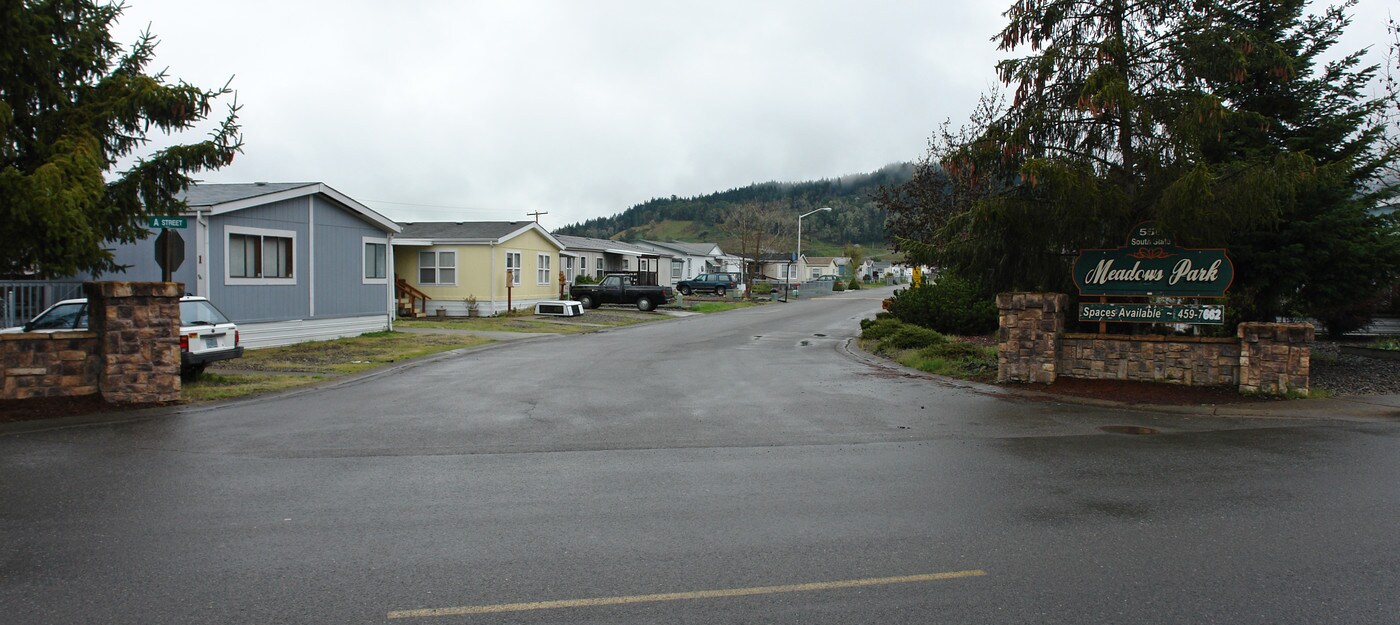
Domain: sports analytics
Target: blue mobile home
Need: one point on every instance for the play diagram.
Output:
(289, 262)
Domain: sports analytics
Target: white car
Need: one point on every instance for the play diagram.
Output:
(206, 335)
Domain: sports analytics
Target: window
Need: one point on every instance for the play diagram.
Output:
(513, 267)
(627, 264)
(583, 265)
(437, 267)
(542, 268)
(569, 268)
(259, 256)
(816, 273)
(376, 256)
(676, 269)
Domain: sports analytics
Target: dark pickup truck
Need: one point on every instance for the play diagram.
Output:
(621, 289)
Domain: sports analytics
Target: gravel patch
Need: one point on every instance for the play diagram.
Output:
(1348, 374)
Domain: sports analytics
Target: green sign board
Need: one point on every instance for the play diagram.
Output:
(160, 221)
(1152, 265)
(1148, 313)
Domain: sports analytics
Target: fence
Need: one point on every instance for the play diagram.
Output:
(21, 300)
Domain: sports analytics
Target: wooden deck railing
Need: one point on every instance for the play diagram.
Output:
(411, 301)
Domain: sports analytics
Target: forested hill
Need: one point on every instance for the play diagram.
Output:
(856, 219)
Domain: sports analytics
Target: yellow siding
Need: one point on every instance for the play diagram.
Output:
(481, 271)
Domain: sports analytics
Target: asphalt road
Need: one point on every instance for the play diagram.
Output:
(745, 467)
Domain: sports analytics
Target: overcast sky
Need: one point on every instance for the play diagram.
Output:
(488, 110)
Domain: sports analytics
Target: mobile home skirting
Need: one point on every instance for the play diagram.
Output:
(273, 334)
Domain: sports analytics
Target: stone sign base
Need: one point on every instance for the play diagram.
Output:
(1032, 346)
(130, 353)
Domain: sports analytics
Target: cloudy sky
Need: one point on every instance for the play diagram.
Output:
(488, 110)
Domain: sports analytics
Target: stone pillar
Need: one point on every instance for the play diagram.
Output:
(1028, 341)
(138, 335)
(1275, 358)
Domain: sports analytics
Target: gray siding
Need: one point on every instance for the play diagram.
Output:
(258, 303)
(335, 269)
(340, 288)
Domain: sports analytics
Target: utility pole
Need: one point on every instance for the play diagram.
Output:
(536, 215)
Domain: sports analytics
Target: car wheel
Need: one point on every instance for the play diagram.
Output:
(192, 372)
(645, 304)
(587, 301)
(719, 291)
(685, 290)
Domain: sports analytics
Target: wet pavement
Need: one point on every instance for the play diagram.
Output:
(745, 467)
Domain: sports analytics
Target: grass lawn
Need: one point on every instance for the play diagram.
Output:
(280, 368)
(714, 307)
(348, 355)
(217, 386)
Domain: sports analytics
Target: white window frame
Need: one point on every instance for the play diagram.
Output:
(568, 268)
(230, 280)
(515, 270)
(438, 266)
(816, 272)
(365, 242)
(542, 270)
(676, 267)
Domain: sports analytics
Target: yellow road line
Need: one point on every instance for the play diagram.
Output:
(678, 596)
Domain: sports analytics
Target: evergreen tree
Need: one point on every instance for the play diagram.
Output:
(72, 105)
(1310, 135)
(1208, 118)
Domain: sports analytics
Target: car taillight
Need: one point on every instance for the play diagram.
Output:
(235, 338)
(184, 342)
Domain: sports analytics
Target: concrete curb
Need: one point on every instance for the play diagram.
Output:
(1347, 408)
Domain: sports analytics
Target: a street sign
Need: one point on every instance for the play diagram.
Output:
(1147, 313)
(165, 221)
(170, 252)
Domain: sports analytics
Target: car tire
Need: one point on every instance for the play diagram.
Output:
(719, 291)
(685, 290)
(587, 301)
(192, 372)
(645, 304)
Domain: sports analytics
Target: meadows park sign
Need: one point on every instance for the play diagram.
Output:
(1152, 265)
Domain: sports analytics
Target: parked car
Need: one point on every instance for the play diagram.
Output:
(206, 335)
(718, 283)
(621, 289)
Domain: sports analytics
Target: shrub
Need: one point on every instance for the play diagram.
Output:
(911, 337)
(952, 305)
(955, 350)
(837, 287)
(854, 285)
(876, 329)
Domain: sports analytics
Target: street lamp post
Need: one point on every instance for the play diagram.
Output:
(799, 233)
